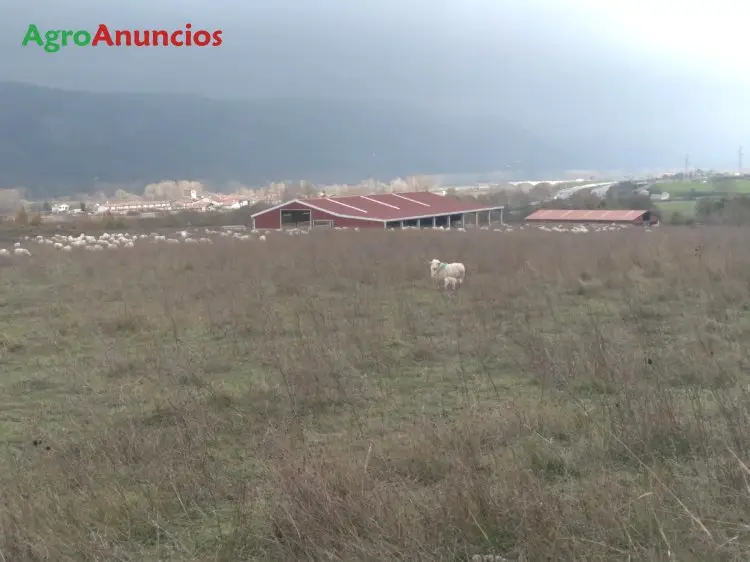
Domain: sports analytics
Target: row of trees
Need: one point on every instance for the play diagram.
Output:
(520, 204)
(731, 210)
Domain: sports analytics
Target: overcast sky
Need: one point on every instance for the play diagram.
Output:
(582, 63)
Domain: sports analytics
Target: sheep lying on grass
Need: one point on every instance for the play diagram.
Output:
(440, 271)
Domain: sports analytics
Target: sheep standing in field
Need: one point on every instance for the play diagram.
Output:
(450, 283)
(440, 271)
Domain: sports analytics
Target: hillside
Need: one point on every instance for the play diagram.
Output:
(55, 141)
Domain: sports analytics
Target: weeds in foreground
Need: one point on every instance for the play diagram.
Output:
(315, 398)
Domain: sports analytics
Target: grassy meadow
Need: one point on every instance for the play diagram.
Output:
(582, 397)
(668, 208)
(683, 188)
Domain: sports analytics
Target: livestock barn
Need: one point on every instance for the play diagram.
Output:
(618, 216)
(381, 210)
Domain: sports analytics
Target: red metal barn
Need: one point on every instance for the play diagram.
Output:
(380, 210)
(635, 217)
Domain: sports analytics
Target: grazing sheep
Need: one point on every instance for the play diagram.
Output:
(21, 252)
(262, 238)
(440, 270)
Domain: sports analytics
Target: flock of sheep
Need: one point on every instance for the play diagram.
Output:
(118, 240)
(451, 275)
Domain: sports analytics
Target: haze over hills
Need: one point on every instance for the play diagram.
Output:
(55, 142)
(319, 90)
(52, 141)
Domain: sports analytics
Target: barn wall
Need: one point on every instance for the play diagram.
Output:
(272, 219)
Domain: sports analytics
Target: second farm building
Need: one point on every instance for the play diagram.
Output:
(618, 216)
(381, 210)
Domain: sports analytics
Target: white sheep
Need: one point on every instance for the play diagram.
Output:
(21, 252)
(262, 238)
(440, 271)
(450, 283)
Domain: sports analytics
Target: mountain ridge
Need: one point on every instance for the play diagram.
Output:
(53, 141)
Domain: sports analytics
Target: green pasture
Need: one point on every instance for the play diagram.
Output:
(668, 208)
(681, 188)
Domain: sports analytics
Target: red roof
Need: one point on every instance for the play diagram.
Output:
(387, 206)
(598, 215)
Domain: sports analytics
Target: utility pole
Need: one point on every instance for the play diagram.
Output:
(687, 165)
(739, 161)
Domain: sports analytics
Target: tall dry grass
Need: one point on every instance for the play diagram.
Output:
(583, 397)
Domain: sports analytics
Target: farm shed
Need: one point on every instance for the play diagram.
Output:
(593, 216)
(380, 210)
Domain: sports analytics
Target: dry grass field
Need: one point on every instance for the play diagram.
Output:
(582, 397)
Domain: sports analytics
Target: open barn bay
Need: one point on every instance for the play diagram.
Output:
(581, 397)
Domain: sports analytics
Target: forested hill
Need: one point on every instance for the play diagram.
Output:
(55, 142)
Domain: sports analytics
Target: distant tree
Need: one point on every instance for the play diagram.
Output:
(111, 222)
(635, 201)
(709, 208)
(291, 190)
(679, 219)
(519, 199)
(541, 191)
(46, 207)
(82, 206)
(730, 210)
(421, 182)
(21, 216)
(36, 220)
